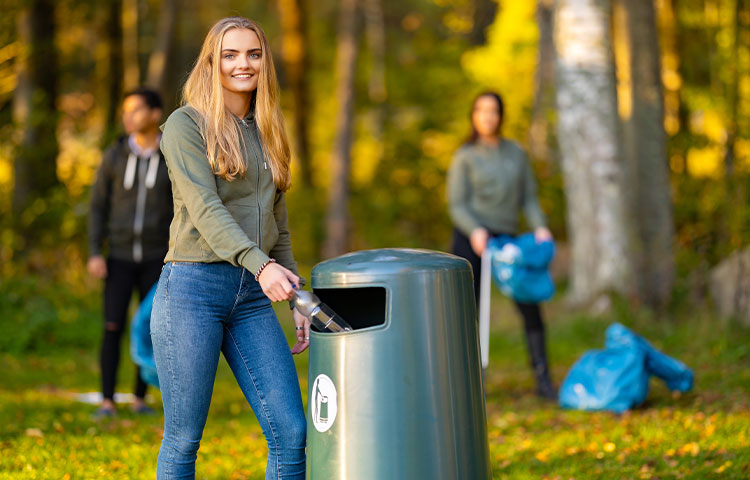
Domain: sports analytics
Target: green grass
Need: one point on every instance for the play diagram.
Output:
(45, 434)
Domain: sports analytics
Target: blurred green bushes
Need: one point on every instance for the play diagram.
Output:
(38, 314)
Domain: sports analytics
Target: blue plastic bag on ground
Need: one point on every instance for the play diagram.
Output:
(675, 374)
(519, 267)
(141, 348)
(617, 377)
(612, 379)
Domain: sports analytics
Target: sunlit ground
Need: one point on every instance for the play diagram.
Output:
(45, 434)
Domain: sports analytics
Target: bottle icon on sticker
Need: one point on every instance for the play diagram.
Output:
(323, 403)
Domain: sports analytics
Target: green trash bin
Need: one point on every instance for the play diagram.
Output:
(400, 396)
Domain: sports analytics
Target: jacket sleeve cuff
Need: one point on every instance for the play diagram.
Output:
(536, 218)
(253, 259)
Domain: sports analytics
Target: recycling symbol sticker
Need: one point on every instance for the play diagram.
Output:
(323, 403)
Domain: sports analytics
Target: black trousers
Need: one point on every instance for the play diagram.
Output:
(122, 277)
(530, 312)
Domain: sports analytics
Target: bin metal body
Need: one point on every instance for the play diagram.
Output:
(400, 396)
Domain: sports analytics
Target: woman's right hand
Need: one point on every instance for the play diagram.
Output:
(277, 282)
(478, 240)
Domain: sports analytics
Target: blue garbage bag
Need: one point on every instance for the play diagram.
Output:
(617, 377)
(613, 379)
(141, 348)
(673, 372)
(520, 267)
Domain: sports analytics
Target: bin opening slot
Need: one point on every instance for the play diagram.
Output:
(360, 307)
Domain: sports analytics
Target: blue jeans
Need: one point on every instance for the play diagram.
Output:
(199, 310)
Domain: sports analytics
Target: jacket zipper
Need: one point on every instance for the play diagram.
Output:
(257, 185)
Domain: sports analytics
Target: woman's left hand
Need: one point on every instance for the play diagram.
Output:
(542, 234)
(302, 329)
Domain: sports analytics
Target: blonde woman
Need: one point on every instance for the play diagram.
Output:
(229, 254)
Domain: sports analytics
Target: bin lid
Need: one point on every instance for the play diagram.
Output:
(371, 265)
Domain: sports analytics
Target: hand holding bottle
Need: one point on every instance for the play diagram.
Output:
(277, 282)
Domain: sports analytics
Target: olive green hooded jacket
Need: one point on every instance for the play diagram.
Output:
(243, 222)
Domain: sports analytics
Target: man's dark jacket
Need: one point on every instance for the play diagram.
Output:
(114, 204)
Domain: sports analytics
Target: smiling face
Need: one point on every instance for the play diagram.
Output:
(241, 59)
(486, 116)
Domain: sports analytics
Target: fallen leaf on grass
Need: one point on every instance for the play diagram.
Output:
(726, 465)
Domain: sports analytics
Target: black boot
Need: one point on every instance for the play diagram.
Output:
(538, 356)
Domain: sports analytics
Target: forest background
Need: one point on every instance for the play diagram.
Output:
(377, 95)
(635, 116)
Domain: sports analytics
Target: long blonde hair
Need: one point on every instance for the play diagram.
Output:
(203, 92)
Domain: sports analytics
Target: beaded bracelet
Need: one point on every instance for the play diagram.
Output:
(265, 264)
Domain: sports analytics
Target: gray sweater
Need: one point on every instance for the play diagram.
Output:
(489, 186)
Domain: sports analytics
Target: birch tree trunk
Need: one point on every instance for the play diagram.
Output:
(337, 214)
(293, 15)
(34, 109)
(541, 135)
(588, 139)
(644, 149)
(157, 62)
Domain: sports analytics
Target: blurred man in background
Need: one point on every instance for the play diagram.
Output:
(131, 210)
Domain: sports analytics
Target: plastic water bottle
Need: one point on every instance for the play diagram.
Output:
(320, 314)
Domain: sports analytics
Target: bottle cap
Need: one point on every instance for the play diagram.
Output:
(305, 302)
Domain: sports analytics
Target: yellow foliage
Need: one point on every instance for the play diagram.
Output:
(439, 145)
(508, 61)
(367, 151)
(671, 79)
(724, 466)
(671, 124)
(705, 162)
(78, 160)
(622, 61)
(6, 169)
(458, 23)
(543, 456)
(692, 449)
(714, 126)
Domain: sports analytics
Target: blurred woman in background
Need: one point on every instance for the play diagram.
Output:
(490, 181)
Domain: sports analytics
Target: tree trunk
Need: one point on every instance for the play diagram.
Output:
(157, 62)
(645, 149)
(132, 69)
(295, 38)
(337, 215)
(484, 14)
(734, 94)
(34, 110)
(587, 135)
(113, 73)
(375, 30)
(541, 135)
(375, 33)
